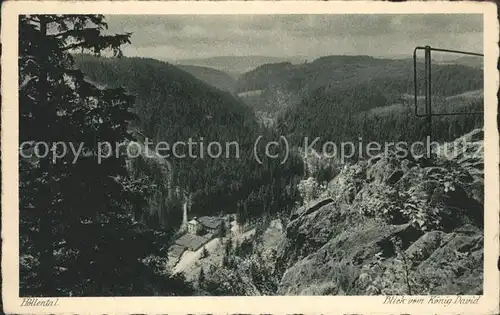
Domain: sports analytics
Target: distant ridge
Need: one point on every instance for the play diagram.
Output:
(214, 77)
(236, 65)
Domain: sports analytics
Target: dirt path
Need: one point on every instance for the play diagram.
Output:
(242, 236)
(189, 258)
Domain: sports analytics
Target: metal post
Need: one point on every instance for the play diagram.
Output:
(428, 94)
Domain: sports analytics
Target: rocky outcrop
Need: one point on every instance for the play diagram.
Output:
(392, 225)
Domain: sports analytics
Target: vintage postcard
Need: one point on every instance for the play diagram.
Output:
(250, 157)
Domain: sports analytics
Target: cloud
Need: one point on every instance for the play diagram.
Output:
(190, 36)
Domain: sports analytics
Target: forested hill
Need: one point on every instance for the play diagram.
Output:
(363, 112)
(214, 77)
(347, 71)
(170, 102)
(470, 61)
(373, 99)
(392, 77)
(175, 106)
(172, 106)
(235, 65)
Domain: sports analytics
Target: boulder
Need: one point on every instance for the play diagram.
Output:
(424, 247)
(456, 265)
(359, 235)
(311, 207)
(309, 232)
(343, 256)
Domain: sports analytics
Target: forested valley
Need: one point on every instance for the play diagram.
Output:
(121, 216)
(172, 105)
(96, 99)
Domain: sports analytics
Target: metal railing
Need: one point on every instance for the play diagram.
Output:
(428, 83)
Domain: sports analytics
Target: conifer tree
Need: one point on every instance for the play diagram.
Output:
(57, 105)
(201, 277)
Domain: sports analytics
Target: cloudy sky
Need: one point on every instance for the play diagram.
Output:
(195, 36)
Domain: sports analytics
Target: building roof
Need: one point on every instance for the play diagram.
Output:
(191, 241)
(210, 222)
(209, 236)
(176, 250)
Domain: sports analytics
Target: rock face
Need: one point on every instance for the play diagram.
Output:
(392, 225)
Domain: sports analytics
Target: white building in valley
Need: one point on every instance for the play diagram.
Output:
(205, 225)
(193, 226)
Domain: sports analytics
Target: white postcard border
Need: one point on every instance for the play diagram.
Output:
(488, 303)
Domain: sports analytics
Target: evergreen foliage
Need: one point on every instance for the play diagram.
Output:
(77, 234)
(173, 106)
(366, 112)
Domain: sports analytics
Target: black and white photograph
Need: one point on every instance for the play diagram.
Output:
(223, 155)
